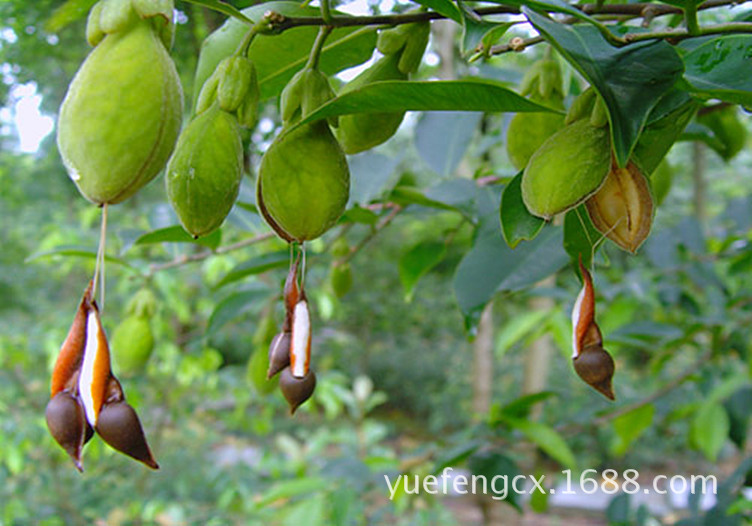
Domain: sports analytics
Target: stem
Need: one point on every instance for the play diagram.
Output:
(690, 17)
(318, 45)
(326, 12)
(369, 237)
(100, 264)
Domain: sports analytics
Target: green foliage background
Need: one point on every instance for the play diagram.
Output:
(393, 355)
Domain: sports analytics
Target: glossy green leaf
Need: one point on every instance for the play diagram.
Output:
(492, 266)
(518, 327)
(68, 13)
(176, 234)
(580, 236)
(631, 79)
(709, 429)
(548, 439)
(235, 305)
(395, 96)
(417, 262)
(278, 57)
(517, 223)
(256, 265)
(489, 464)
(714, 69)
(630, 426)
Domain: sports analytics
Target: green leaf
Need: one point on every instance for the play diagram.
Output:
(630, 79)
(68, 13)
(235, 305)
(256, 265)
(396, 96)
(224, 8)
(709, 429)
(475, 32)
(490, 464)
(580, 236)
(278, 57)
(443, 7)
(555, 6)
(360, 215)
(714, 69)
(290, 488)
(443, 138)
(176, 234)
(519, 408)
(547, 438)
(517, 328)
(417, 262)
(630, 426)
(492, 266)
(517, 223)
(76, 252)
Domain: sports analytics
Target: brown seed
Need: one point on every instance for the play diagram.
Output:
(622, 209)
(67, 424)
(596, 367)
(119, 426)
(279, 353)
(296, 390)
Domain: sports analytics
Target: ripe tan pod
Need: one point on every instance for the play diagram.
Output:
(591, 361)
(622, 209)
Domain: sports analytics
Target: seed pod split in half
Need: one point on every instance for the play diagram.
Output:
(591, 361)
(622, 209)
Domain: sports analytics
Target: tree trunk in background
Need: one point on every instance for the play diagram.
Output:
(538, 355)
(443, 32)
(698, 178)
(483, 364)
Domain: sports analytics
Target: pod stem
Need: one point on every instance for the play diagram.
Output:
(100, 264)
(326, 12)
(318, 45)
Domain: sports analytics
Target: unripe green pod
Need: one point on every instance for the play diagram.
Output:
(341, 279)
(121, 116)
(116, 15)
(132, 344)
(527, 132)
(203, 176)
(599, 115)
(568, 168)
(581, 107)
(235, 74)
(415, 46)
(303, 182)
(358, 132)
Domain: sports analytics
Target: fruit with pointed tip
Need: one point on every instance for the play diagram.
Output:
(67, 424)
(596, 367)
(296, 390)
(119, 426)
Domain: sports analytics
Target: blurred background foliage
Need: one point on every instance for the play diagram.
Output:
(398, 370)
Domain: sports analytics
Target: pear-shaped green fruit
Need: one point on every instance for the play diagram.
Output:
(132, 344)
(568, 167)
(341, 279)
(303, 182)
(526, 133)
(203, 176)
(121, 116)
(256, 372)
(358, 132)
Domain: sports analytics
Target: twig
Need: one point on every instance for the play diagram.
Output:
(200, 256)
(368, 238)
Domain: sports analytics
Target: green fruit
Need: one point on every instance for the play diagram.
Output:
(203, 176)
(526, 133)
(303, 182)
(341, 279)
(728, 130)
(132, 344)
(660, 181)
(256, 371)
(121, 116)
(568, 167)
(358, 132)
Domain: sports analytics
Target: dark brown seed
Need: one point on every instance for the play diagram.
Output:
(279, 353)
(296, 390)
(596, 367)
(67, 424)
(119, 426)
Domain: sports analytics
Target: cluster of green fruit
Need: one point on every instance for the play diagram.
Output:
(120, 125)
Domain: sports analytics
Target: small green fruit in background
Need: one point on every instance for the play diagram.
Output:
(132, 344)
